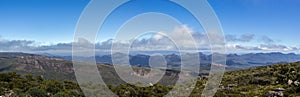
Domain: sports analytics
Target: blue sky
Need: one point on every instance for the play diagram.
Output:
(47, 21)
(278, 19)
(250, 24)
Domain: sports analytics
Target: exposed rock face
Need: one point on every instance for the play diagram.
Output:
(274, 94)
(50, 68)
(42, 63)
(277, 92)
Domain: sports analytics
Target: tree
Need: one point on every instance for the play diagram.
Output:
(35, 92)
(29, 77)
(52, 86)
(61, 94)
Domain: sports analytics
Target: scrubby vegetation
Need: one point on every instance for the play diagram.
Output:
(241, 83)
(260, 80)
(13, 84)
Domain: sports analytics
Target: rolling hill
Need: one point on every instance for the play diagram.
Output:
(281, 80)
(61, 69)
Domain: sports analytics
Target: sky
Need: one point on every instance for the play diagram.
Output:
(248, 25)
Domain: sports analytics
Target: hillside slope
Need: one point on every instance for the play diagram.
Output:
(49, 68)
(261, 80)
(60, 69)
(281, 80)
(278, 79)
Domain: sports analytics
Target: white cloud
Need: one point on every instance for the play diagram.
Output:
(16, 45)
(273, 47)
(183, 36)
(157, 36)
(267, 40)
(242, 38)
(262, 47)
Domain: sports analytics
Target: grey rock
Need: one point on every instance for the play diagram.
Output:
(277, 92)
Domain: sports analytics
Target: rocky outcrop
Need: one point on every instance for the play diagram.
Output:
(49, 68)
(277, 92)
(41, 63)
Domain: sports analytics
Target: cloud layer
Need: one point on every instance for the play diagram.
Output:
(16, 45)
(181, 37)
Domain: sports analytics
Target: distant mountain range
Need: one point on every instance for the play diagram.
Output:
(232, 60)
(61, 68)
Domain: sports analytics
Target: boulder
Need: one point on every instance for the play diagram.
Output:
(277, 92)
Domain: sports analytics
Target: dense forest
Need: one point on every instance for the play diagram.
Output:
(273, 80)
